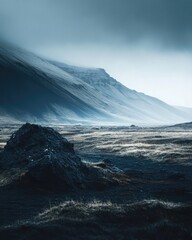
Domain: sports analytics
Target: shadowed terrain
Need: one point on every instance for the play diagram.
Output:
(95, 220)
(40, 157)
(155, 202)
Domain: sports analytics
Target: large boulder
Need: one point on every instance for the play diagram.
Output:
(32, 142)
(40, 156)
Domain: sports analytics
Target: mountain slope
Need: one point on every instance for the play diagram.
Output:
(133, 106)
(35, 89)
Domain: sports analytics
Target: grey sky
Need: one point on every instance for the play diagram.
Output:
(146, 44)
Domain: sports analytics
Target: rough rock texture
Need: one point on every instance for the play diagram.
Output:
(42, 157)
(35, 141)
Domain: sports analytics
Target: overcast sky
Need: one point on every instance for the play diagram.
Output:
(145, 44)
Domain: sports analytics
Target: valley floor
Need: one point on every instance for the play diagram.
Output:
(156, 204)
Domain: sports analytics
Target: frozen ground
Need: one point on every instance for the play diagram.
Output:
(156, 204)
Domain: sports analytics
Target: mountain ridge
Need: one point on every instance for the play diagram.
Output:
(33, 88)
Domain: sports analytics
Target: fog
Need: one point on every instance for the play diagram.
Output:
(145, 44)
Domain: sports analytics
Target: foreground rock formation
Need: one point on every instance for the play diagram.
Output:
(40, 156)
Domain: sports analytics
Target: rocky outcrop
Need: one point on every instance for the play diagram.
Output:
(40, 156)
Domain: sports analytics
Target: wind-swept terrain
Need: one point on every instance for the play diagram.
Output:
(38, 90)
(100, 183)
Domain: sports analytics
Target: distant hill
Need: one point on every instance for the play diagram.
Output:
(184, 125)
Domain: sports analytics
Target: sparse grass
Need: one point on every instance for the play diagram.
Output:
(9, 176)
(103, 220)
(153, 144)
(130, 217)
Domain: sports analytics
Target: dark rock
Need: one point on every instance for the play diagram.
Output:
(44, 156)
(40, 156)
(33, 140)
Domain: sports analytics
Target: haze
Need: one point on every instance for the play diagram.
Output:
(145, 44)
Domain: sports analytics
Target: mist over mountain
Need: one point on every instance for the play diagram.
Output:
(95, 119)
(39, 90)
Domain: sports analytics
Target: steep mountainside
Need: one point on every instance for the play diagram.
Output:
(35, 89)
(131, 105)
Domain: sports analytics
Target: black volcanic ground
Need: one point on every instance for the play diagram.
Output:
(155, 203)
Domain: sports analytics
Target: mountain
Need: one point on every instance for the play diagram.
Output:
(33, 89)
(38, 90)
(181, 126)
(128, 104)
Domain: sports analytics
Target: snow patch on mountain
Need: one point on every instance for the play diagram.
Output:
(35, 89)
